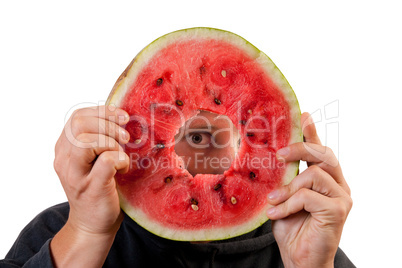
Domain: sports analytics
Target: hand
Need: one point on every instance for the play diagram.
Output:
(87, 156)
(309, 213)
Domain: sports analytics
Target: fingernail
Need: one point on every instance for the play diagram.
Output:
(273, 195)
(282, 153)
(124, 135)
(123, 115)
(271, 211)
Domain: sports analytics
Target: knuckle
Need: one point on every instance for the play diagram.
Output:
(57, 146)
(77, 113)
(318, 177)
(349, 202)
(329, 151)
(302, 193)
(83, 142)
(340, 210)
(315, 170)
(74, 113)
(57, 165)
(348, 191)
(330, 157)
(107, 159)
(77, 124)
(82, 138)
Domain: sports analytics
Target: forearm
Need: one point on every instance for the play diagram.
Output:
(74, 248)
(289, 264)
(331, 265)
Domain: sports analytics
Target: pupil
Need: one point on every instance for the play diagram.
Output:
(197, 138)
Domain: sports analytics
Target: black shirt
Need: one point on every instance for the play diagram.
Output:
(135, 247)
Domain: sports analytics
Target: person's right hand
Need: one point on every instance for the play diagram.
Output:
(87, 156)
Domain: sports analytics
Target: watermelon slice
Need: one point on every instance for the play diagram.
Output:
(168, 83)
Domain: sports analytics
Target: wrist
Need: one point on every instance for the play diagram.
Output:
(292, 265)
(94, 226)
(85, 236)
(77, 247)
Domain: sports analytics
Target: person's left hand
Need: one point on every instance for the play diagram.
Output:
(309, 213)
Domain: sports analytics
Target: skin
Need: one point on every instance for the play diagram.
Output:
(308, 214)
(210, 136)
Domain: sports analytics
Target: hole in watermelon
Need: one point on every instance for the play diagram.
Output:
(207, 143)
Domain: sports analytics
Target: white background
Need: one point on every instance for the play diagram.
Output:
(55, 57)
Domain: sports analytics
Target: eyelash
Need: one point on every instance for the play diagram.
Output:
(190, 135)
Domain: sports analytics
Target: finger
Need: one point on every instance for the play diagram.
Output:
(315, 154)
(87, 148)
(309, 129)
(335, 209)
(81, 117)
(304, 199)
(89, 124)
(310, 152)
(110, 113)
(313, 178)
(107, 165)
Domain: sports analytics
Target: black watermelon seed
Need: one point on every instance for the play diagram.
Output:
(179, 103)
(193, 201)
(218, 101)
(242, 122)
(202, 70)
(252, 175)
(250, 134)
(159, 81)
(160, 146)
(168, 179)
(217, 187)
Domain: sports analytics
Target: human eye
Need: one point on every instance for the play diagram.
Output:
(199, 138)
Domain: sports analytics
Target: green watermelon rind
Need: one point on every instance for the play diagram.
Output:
(128, 77)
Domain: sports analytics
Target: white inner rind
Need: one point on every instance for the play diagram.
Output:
(272, 71)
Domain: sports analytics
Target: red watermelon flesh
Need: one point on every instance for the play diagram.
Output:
(168, 83)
